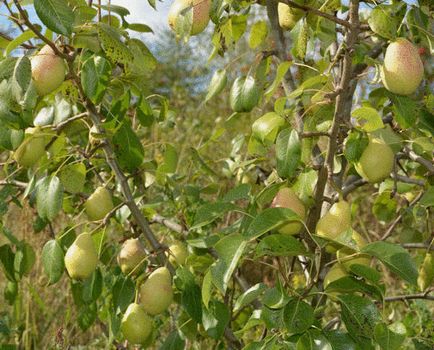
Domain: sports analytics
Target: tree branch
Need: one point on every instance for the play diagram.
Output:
(425, 296)
(416, 158)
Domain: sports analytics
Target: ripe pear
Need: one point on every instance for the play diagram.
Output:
(178, 253)
(131, 256)
(81, 257)
(336, 221)
(288, 16)
(136, 325)
(376, 162)
(48, 71)
(31, 149)
(286, 198)
(156, 292)
(200, 10)
(402, 70)
(336, 272)
(99, 204)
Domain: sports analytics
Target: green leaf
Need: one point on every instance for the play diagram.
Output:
(396, 258)
(390, 338)
(341, 341)
(427, 199)
(405, 110)
(383, 22)
(215, 319)
(384, 207)
(244, 95)
(282, 69)
(123, 293)
(92, 287)
(349, 284)
(140, 27)
(288, 153)
(298, 316)
(313, 340)
(128, 148)
(368, 118)
(170, 160)
(229, 250)
(355, 144)
(268, 220)
(258, 33)
(300, 34)
(265, 128)
(7, 258)
(209, 212)
(24, 259)
(360, 315)
(56, 15)
(22, 38)
(217, 84)
(49, 197)
(206, 288)
(249, 295)
(73, 177)
(237, 193)
(280, 245)
(53, 261)
(190, 293)
(173, 342)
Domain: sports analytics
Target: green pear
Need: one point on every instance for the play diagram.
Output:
(178, 253)
(131, 256)
(31, 149)
(200, 10)
(99, 204)
(136, 325)
(48, 71)
(402, 70)
(336, 221)
(288, 16)
(286, 198)
(81, 257)
(336, 272)
(156, 292)
(376, 162)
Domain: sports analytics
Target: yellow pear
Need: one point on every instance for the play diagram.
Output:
(286, 198)
(156, 292)
(81, 257)
(336, 272)
(131, 256)
(402, 70)
(336, 221)
(31, 149)
(200, 10)
(99, 204)
(48, 71)
(288, 16)
(376, 162)
(178, 253)
(136, 325)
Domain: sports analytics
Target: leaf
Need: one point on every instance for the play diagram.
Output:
(298, 316)
(7, 258)
(190, 293)
(206, 288)
(92, 287)
(215, 319)
(282, 69)
(209, 212)
(24, 260)
(229, 250)
(49, 197)
(368, 118)
(313, 339)
(300, 34)
(123, 293)
(390, 338)
(359, 314)
(170, 160)
(53, 261)
(280, 245)
(288, 153)
(217, 84)
(173, 342)
(128, 148)
(73, 177)
(383, 22)
(140, 27)
(268, 220)
(22, 38)
(355, 144)
(396, 258)
(405, 110)
(244, 95)
(258, 33)
(249, 295)
(56, 15)
(341, 341)
(237, 193)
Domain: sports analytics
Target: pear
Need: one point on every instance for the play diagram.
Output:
(31, 149)
(336, 221)
(48, 71)
(376, 162)
(336, 272)
(99, 204)
(81, 257)
(361, 259)
(288, 16)
(178, 253)
(286, 198)
(156, 292)
(402, 70)
(136, 325)
(200, 17)
(131, 256)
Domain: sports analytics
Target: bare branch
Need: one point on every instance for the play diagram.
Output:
(417, 246)
(416, 158)
(172, 225)
(409, 297)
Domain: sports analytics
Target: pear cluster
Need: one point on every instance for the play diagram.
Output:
(178, 15)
